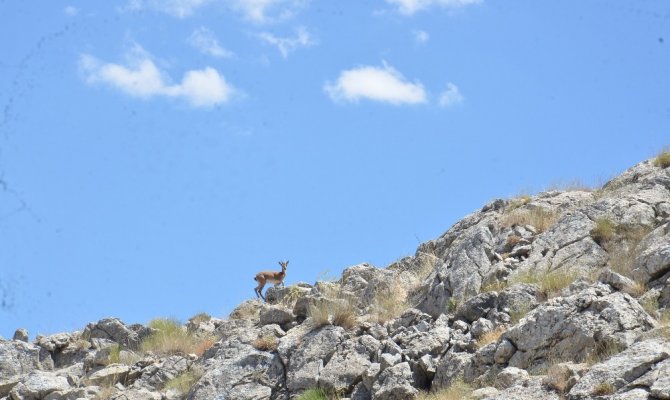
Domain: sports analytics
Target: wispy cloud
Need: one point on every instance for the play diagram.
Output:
(409, 7)
(420, 36)
(71, 11)
(285, 45)
(176, 8)
(263, 11)
(383, 84)
(451, 96)
(206, 42)
(140, 77)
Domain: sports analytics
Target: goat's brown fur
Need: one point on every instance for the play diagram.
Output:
(270, 276)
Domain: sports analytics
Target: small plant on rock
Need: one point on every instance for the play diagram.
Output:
(491, 336)
(338, 312)
(184, 382)
(604, 389)
(266, 343)
(604, 231)
(172, 338)
(550, 283)
(663, 160)
(538, 218)
(317, 394)
(458, 390)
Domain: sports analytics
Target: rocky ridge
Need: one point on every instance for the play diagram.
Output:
(563, 295)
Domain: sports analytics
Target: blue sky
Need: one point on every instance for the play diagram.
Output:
(154, 155)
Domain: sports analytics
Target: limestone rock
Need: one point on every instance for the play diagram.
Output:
(115, 330)
(21, 334)
(569, 328)
(20, 358)
(37, 385)
(622, 368)
(275, 315)
(395, 383)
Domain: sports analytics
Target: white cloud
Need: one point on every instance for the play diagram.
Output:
(140, 77)
(176, 8)
(206, 42)
(263, 11)
(286, 45)
(71, 11)
(451, 96)
(380, 84)
(421, 36)
(409, 7)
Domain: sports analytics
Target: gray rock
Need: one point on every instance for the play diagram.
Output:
(306, 361)
(346, 367)
(275, 315)
(530, 389)
(21, 334)
(660, 388)
(157, 375)
(20, 358)
(449, 369)
(115, 330)
(37, 385)
(480, 327)
(563, 376)
(654, 261)
(388, 360)
(484, 393)
(504, 351)
(395, 383)
(623, 368)
(109, 375)
(617, 281)
(569, 328)
(509, 377)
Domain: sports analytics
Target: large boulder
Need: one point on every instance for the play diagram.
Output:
(641, 365)
(572, 328)
(115, 330)
(37, 385)
(18, 358)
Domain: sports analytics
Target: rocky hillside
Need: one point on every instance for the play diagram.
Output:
(563, 295)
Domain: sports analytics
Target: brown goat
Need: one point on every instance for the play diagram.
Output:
(270, 276)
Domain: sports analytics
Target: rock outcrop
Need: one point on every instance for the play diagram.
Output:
(563, 295)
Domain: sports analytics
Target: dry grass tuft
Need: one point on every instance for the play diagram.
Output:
(539, 218)
(184, 382)
(317, 394)
(200, 318)
(604, 389)
(551, 283)
(491, 336)
(663, 160)
(337, 311)
(457, 391)
(389, 302)
(173, 338)
(266, 343)
(604, 231)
